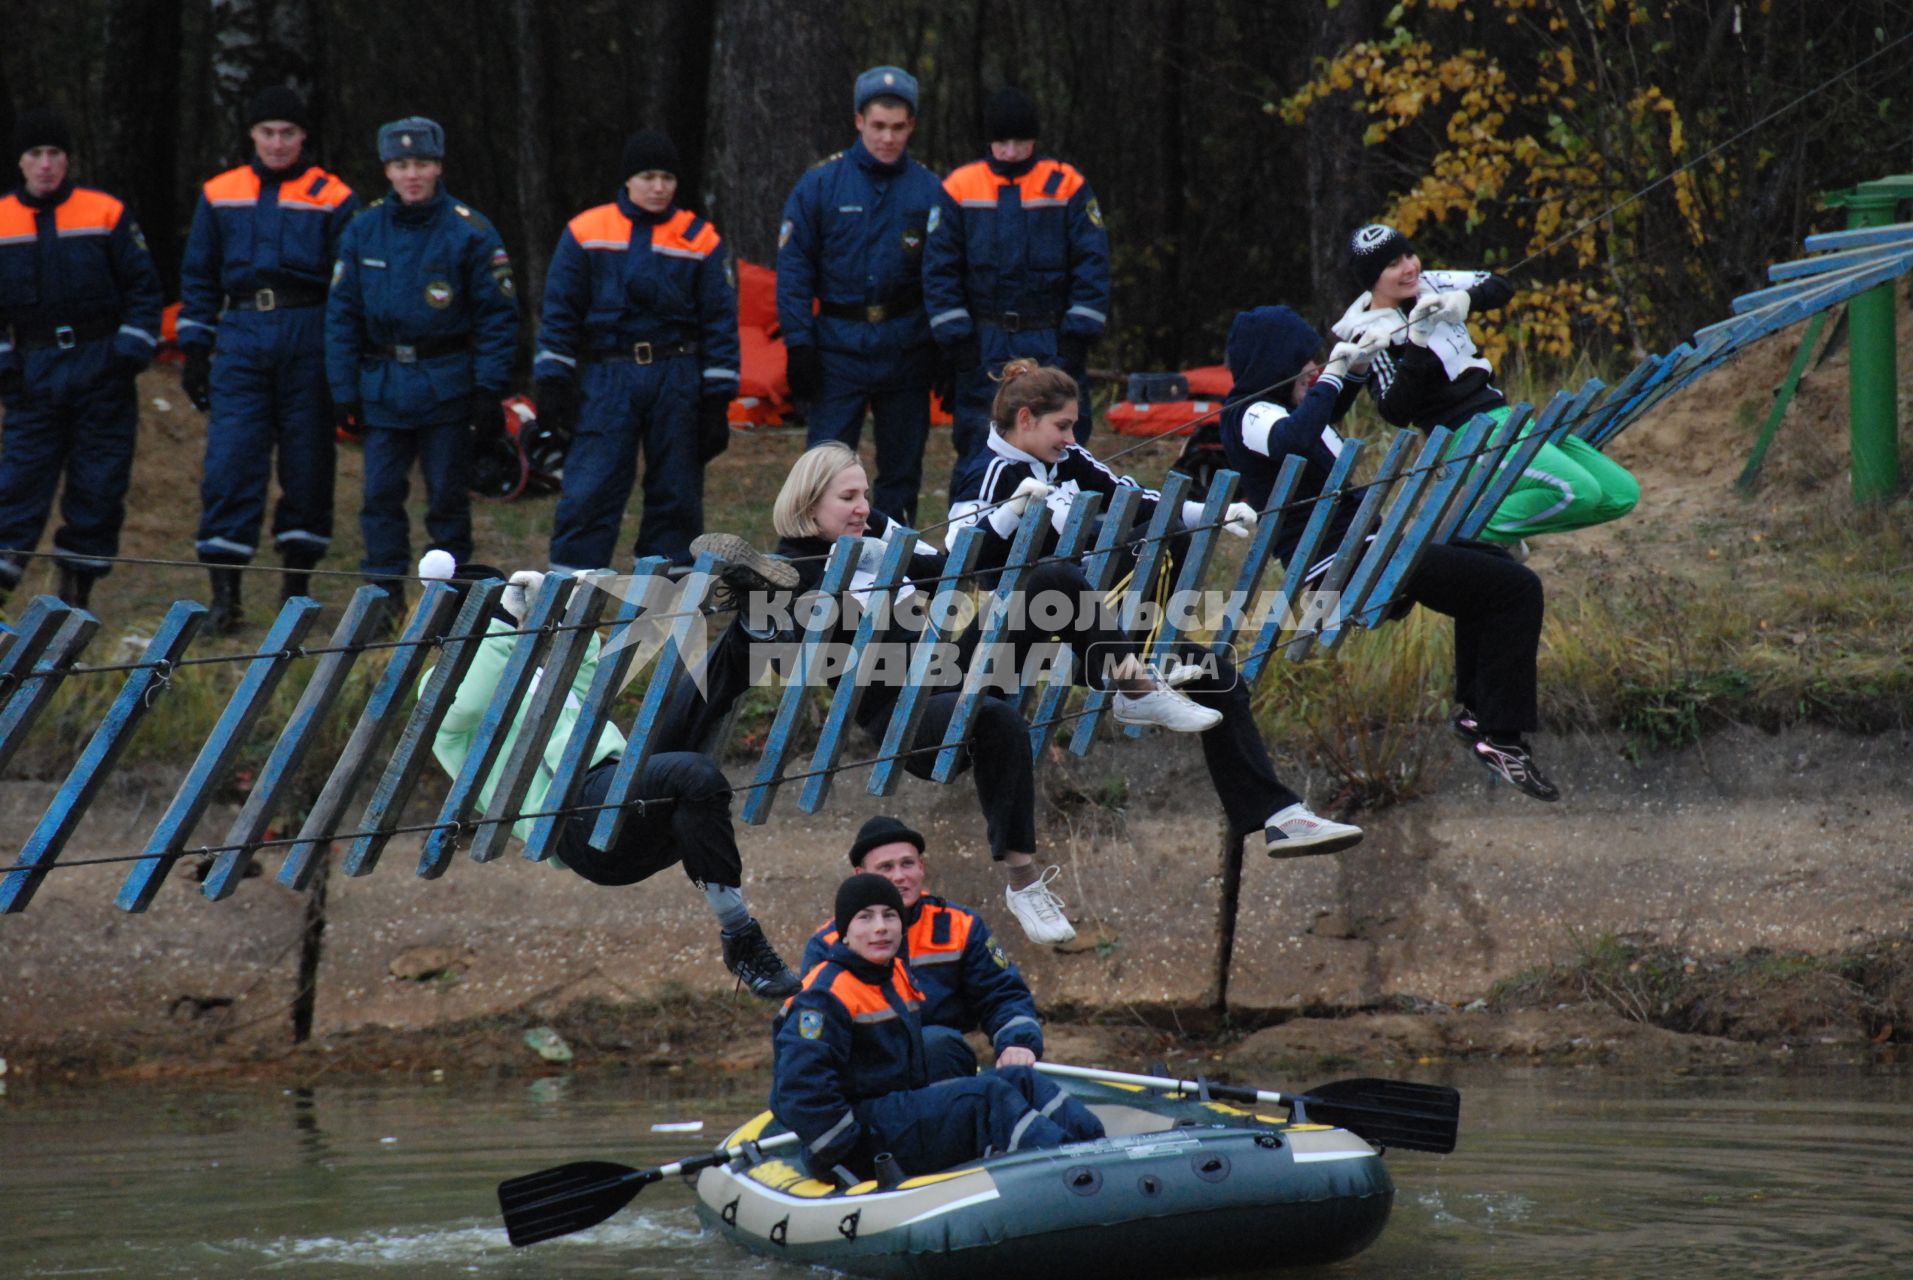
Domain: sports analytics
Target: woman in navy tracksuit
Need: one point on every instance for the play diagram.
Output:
(1278, 407)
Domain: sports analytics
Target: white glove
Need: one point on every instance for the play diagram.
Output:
(1239, 520)
(1450, 307)
(518, 592)
(1009, 513)
(1343, 358)
(1373, 343)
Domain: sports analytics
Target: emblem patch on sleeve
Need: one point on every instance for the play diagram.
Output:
(338, 272)
(996, 954)
(1095, 212)
(936, 216)
(810, 1023)
(783, 234)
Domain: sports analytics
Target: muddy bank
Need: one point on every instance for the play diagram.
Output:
(1773, 867)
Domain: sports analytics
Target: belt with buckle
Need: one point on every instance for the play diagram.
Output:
(1017, 321)
(64, 336)
(643, 352)
(282, 298)
(876, 312)
(427, 349)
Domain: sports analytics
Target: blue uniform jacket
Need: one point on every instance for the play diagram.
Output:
(255, 229)
(602, 297)
(76, 257)
(966, 979)
(1024, 238)
(853, 235)
(408, 275)
(852, 1034)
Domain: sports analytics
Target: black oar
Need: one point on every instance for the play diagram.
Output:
(558, 1201)
(1389, 1113)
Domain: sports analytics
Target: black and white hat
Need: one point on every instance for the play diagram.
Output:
(1371, 249)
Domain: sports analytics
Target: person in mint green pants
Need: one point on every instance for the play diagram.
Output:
(1427, 372)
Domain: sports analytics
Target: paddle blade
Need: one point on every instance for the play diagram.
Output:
(1389, 1113)
(558, 1201)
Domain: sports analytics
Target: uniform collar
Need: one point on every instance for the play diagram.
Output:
(857, 967)
(52, 199)
(1012, 171)
(1004, 449)
(629, 209)
(268, 177)
(861, 154)
(419, 214)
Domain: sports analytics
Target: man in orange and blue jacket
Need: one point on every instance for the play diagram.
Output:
(966, 979)
(642, 298)
(79, 319)
(851, 1077)
(1016, 264)
(253, 287)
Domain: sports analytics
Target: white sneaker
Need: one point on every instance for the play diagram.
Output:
(1039, 911)
(1295, 833)
(1167, 709)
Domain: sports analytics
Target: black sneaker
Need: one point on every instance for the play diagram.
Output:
(1466, 727)
(745, 569)
(749, 955)
(1514, 764)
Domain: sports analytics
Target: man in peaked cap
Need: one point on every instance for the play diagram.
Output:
(850, 289)
(420, 332)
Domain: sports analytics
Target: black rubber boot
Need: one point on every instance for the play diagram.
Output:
(76, 585)
(299, 561)
(226, 612)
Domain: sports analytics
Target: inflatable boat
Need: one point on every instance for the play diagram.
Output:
(1184, 1184)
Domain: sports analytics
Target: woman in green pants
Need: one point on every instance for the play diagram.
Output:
(1428, 373)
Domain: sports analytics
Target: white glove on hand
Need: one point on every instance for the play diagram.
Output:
(1450, 307)
(519, 590)
(1239, 520)
(1009, 512)
(1342, 358)
(1373, 343)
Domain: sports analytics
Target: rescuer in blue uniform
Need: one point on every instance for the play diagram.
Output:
(643, 296)
(851, 1078)
(966, 979)
(419, 335)
(253, 289)
(79, 319)
(1017, 264)
(852, 241)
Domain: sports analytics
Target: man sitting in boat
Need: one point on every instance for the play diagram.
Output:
(966, 979)
(851, 1076)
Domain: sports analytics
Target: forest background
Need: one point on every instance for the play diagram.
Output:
(1233, 145)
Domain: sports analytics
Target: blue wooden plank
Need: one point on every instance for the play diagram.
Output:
(947, 609)
(1796, 300)
(382, 712)
(1659, 370)
(142, 690)
(688, 635)
(1595, 420)
(303, 728)
(1295, 572)
(1402, 515)
(39, 661)
(877, 607)
(1328, 588)
(1079, 530)
(648, 588)
(1195, 566)
(1860, 237)
(818, 611)
(1243, 603)
(1100, 569)
(494, 726)
(1866, 255)
(413, 751)
(991, 648)
(214, 763)
(547, 703)
(1422, 531)
(1155, 547)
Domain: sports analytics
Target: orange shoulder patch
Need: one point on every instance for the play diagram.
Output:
(88, 210)
(601, 228)
(235, 186)
(973, 181)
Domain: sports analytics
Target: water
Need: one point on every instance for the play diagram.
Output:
(1560, 1174)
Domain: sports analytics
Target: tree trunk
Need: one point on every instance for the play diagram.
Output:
(1341, 188)
(137, 155)
(780, 101)
(256, 43)
(537, 222)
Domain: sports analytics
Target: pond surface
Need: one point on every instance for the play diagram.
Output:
(1560, 1173)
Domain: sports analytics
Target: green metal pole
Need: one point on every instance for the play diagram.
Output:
(1873, 391)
